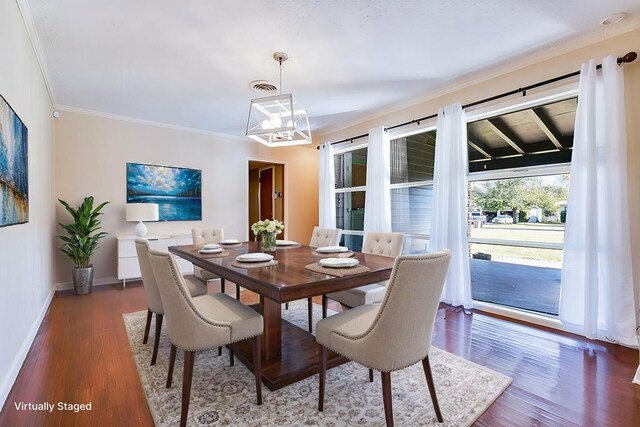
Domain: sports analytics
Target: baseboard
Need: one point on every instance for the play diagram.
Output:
(63, 286)
(20, 357)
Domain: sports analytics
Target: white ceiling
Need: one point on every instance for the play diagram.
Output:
(189, 63)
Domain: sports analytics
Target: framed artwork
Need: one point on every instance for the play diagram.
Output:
(14, 167)
(177, 191)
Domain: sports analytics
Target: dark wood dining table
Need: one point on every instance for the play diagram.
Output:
(289, 353)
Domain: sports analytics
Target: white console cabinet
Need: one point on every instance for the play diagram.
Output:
(128, 267)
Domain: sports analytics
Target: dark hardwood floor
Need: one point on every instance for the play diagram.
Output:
(81, 354)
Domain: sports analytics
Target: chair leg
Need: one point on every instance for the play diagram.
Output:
(370, 375)
(156, 339)
(322, 351)
(257, 366)
(231, 360)
(310, 310)
(147, 326)
(237, 292)
(286, 306)
(432, 389)
(386, 398)
(325, 302)
(172, 363)
(220, 351)
(186, 386)
(222, 285)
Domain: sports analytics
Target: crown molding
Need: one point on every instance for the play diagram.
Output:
(27, 18)
(128, 119)
(544, 53)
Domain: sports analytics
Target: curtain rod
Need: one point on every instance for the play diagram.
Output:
(629, 57)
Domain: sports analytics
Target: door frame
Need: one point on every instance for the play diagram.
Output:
(285, 175)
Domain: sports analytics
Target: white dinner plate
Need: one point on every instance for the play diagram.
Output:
(332, 249)
(210, 246)
(338, 262)
(254, 257)
(230, 241)
(285, 243)
(210, 251)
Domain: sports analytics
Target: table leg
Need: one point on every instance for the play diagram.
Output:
(272, 335)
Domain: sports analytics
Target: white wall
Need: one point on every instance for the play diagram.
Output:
(91, 156)
(26, 250)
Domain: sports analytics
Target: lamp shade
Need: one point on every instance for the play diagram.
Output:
(142, 212)
(278, 121)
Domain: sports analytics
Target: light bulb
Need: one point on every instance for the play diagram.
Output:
(266, 124)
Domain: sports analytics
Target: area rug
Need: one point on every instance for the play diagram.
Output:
(224, 395)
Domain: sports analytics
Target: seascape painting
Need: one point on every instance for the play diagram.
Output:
(177, 191)
(14, 168)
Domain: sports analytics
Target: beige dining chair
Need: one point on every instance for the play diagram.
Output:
(320, 237)
(205, 236)
(196, 324)
(392, 335)
(386, 244)
(154, 303)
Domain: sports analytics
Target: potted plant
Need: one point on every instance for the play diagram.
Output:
(82, 241)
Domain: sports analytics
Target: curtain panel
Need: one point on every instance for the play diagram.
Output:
(326, 188)
(596, 294)
(377, 202)
(449, 221)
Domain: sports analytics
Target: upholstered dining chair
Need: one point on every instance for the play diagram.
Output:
(154, 303)
(201, 323)
(205, 236)
(320, 237)
(392, 335)
(386, 244)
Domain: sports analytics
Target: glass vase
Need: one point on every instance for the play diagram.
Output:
(268, 241)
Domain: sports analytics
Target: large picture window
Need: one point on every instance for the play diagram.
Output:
(518, 184)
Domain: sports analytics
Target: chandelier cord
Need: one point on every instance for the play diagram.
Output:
(280, 85)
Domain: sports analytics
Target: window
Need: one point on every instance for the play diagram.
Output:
(412, 160)
(518, 183)
(351, 177)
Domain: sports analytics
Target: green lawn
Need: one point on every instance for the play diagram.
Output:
(548, 233)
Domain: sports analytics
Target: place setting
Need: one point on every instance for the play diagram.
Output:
(213, 250)
(334, 252)
(338, 267)
(287, 244)
(254, 260)
(231, 242)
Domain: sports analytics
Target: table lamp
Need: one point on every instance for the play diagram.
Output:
(142, 212)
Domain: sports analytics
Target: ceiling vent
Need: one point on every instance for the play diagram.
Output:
(263, 86)
(613, 19)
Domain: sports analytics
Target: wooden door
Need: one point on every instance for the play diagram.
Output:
(266, 193)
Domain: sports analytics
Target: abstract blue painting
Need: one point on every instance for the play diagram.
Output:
(14, 168)
(177, 191)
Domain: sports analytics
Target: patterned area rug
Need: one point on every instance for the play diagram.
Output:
(224, 395)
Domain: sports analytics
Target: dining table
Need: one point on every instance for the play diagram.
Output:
(289, 353)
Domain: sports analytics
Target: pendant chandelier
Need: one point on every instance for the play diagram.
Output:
(278, 121)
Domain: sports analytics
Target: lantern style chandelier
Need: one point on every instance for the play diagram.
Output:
(278, 121)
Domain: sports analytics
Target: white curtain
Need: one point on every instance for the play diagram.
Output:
(449, 210)
(326, 188)
(596, 296)
(377, 203)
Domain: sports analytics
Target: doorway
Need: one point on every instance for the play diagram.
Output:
(266, 192)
